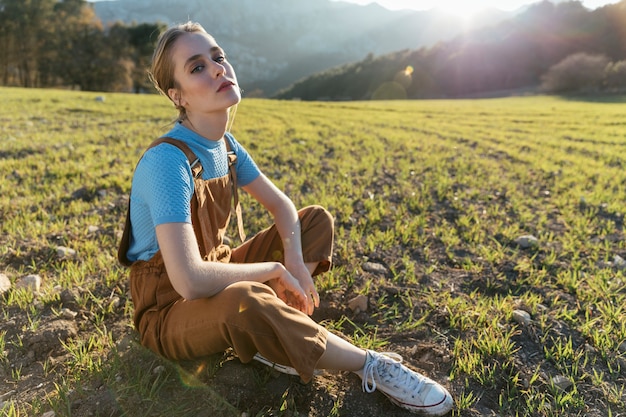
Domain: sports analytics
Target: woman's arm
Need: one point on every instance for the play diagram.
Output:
(287, 223)
(194, 278)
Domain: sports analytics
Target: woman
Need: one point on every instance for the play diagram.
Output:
(194, 295)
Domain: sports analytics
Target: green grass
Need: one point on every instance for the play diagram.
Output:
(437, 191)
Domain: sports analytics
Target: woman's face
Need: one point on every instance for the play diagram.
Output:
(206, 80)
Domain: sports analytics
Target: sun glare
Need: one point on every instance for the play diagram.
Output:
(463, 9)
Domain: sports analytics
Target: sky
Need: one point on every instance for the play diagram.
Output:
(466, 7)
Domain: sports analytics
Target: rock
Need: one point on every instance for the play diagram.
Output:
(527, 241)
(92, 229)
(5, 284)
(622, 347)
(49, 414)
(30, 282)
(68, 314)
(158, 370)
(115, 302)
(619, 262)
(69, 296)
(358, 304)
(521, 317)
(561, 382)
(374, 268)
(65, 253)
(100, 99)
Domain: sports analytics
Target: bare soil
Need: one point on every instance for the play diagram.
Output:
(31, 370)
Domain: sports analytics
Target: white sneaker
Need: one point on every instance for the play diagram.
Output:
(280, 368)
(404, 387)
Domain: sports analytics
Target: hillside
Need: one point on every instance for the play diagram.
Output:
(508, 57)
(275, 45)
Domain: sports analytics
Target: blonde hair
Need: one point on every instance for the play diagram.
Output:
(162, 68)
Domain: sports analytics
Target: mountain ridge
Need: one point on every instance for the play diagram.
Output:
(273, 47)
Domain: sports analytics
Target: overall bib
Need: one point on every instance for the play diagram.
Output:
(246, 316)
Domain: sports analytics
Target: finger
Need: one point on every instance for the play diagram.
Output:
(316, 297)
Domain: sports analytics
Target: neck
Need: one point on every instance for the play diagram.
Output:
(211, 127)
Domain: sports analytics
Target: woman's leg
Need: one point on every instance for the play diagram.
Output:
(341, 355)
(247, 316)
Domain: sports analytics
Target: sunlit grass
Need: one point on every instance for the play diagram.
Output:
(437, 191)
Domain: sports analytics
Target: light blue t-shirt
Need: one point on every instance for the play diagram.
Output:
(162, 184)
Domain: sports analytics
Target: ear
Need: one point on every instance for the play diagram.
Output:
(174, 95)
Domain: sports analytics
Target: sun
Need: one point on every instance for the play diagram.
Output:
(463, 9)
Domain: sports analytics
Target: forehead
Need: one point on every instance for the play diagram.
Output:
(191, 44)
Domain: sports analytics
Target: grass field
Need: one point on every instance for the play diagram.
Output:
(437, 193)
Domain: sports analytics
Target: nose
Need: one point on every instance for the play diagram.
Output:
(217, 69)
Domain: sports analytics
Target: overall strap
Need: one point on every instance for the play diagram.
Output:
(232, 158)
(196, 170)
(194, 161)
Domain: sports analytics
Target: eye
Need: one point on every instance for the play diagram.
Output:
(197, 68)
(219, 58)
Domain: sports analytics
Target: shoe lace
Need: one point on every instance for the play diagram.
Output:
(410, 381)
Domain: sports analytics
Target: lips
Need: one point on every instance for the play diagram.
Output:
(225, 85)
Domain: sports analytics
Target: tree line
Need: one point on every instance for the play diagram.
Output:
(52, 43)
(559, 48)
(556, 48)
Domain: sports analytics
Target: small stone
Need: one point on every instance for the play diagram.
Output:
(92, 229)
(30, 282)
(358, 303)
(65, 253)
(158, 370)
(66, 313)
(49, 414)
(622, 347)
(69, 296)
(5, 284)
(619, 262)
(115, 302)
(521, 317)
(374, 268)
(527, 241)
(561, 382)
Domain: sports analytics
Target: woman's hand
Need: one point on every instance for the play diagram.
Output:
(288, 289)
(302, 274)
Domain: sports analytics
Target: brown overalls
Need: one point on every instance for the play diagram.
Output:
(246, 316)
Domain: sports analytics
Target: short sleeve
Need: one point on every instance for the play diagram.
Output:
(164, 184)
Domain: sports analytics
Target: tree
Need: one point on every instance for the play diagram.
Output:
(143, 38)
(579, 72)
(615, 76)
(24, 26)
